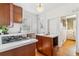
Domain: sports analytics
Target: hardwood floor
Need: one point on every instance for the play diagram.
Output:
(68, 49)
(38, 53)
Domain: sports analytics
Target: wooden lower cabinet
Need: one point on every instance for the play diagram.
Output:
(27, 50)
(47, 45)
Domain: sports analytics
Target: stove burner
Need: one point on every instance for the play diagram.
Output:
(8, 39)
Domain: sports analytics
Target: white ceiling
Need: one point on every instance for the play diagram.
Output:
(31, 7)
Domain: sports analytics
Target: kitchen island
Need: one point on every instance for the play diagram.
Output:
(19, 48)
(47, 44)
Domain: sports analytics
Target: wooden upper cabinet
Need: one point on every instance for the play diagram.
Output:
(4, 14)
(10, 13)
(17, 14)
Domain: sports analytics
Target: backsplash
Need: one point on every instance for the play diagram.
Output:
(15, 29)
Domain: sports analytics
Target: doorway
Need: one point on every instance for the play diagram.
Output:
(69, 22)
(69, 43)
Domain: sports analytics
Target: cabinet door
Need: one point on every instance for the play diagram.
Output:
(47, 46)
(27, 50)
(17, 14)
(39, 43)
(4, 14)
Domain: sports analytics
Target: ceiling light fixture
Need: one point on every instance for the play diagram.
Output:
(40, 7)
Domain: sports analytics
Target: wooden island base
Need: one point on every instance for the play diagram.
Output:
(47, 45)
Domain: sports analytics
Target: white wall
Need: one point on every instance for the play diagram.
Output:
(77, 34)
(43, 21)
(64, 10)
(29, 22)
(53, 26)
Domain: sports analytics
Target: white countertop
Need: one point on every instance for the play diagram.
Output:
(51, 35)
(9, 46)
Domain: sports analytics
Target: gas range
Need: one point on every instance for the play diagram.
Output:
(9, 39)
